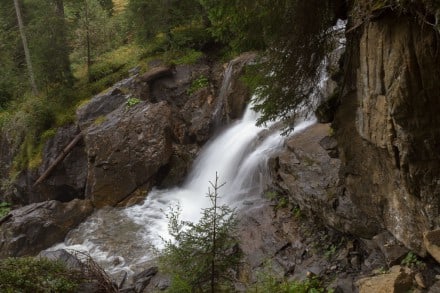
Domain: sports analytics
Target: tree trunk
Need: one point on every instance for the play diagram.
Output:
(89, 57)
(25, 47)
(59, 8)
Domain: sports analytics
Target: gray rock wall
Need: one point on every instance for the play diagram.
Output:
(388, 127)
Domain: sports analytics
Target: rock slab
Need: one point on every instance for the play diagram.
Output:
(38, 226)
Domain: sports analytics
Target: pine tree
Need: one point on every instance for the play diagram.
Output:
(25, 47)
(202, 257)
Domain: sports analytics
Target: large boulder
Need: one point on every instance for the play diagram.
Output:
(35, 227)
(305, 171)
(105, 103)
(397, 280)
(126, 151)
(388, 128)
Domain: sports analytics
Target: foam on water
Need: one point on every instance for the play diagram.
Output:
(120, 239)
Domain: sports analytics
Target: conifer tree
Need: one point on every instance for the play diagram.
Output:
(202, 257)
(25, 47)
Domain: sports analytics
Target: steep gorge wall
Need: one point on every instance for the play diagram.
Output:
(388, 127)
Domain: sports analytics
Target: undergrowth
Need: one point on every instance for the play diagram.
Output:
(27, 123)
(36, 275)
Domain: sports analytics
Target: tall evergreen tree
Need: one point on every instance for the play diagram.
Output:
(93, 32)
(150, 17)
(12, 61)
(201, 257)
(48, 42)
(25, 47)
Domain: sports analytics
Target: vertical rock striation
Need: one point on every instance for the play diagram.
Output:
(388, 126)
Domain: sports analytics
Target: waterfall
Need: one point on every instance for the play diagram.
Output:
(127, 238)
(122, 239)
(223, 93)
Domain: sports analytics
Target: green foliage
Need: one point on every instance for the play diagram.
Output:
(101, 119)
(281, 200)
(331, 251)
(297, 48)
(411, 260)
(94, 31)
(193, 36)
(47, 32)
(269, 283)
(5, 208)
(189, 57)
(150, 17)
(198, 84)
(297, 212)
(36, 275)
(238, 23)
(201, 256)
(131, 102)
(101, 70)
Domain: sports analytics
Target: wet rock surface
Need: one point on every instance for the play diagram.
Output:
(137, 144)
(387, 128)
(310, 177)
(35, 227)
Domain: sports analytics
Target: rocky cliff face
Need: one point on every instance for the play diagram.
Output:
(141, 132)
(388, 127)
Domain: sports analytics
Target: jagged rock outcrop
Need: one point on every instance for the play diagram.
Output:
(133, 147)
(388, 128)
(37, 226)
(143, 131)
(305, 171)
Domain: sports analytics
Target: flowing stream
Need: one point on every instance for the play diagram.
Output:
(123, 239)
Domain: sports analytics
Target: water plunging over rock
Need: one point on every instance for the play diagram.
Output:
(124, 238)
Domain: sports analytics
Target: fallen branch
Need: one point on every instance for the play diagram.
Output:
(59, 159)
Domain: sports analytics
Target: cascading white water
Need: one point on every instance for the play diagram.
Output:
(121, 239)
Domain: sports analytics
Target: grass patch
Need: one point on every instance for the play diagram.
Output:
(198, 84)
(119, 6)
(101, 119)
(268, 282)
(5, 208)
(131, 102)
(189, 57)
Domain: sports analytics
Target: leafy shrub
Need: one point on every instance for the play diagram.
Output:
(102, 69)
(194, 36)
(36, 275)
(131, 102)
(188, 57)
(269, 283)
(411, 260)
(5, 208)
(198, 84)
